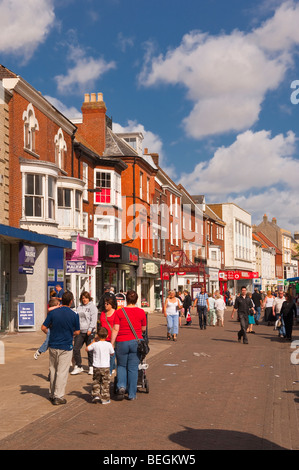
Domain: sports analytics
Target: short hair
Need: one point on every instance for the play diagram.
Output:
(288, 297)
(53, 302)
(86, 295)
(102, 333)
(243, 287)
(132, 297)
(67, 298)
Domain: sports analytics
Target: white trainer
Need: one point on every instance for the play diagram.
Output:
(90, 371)
(77, 370)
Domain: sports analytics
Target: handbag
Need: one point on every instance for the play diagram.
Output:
(142, 345)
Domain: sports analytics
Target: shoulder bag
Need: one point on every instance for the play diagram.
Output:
(142, 345)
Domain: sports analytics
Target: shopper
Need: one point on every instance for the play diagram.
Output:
(102, 351)
(243, 305)
(220, 306)
(172, 310)
(202, 304)
(277, 304)
(187, 302)
(287, 313)
(107, 321)
(258, 303)
(212, 311)
(64, 325)
(268, 306)
(88, 315)
(125, 343)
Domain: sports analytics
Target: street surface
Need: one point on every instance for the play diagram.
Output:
(207, 391)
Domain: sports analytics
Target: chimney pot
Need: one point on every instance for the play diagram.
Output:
(86, 98)
(100, 96)
(93, 97)
(145, 151)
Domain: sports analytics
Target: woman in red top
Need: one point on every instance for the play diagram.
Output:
(125, 344)
(107, 321)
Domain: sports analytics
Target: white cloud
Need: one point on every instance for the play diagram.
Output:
(227, 76)
(257, 171)
(70, 113)
(24, 25)
(85, 71)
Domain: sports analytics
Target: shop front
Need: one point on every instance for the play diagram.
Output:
(149, 284)
(234, 280)
(80, 268)
(116, 268)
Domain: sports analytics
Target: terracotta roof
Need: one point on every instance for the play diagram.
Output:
(268, 242)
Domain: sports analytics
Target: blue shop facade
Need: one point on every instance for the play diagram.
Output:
(31, 264)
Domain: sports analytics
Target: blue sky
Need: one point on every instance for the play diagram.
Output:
(206, 81)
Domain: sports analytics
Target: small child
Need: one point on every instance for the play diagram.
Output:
(102, 350)
(53, 303)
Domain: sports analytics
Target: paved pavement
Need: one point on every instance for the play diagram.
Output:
(206, 391)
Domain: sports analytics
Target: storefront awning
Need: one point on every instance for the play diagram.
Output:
(8, 232)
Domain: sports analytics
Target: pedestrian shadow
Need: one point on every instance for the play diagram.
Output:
(221, 439)
(34, 390)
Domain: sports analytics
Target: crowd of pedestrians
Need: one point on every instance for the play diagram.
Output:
(110, 335)
(111, 332)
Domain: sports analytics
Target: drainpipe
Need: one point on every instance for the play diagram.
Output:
(73, 138)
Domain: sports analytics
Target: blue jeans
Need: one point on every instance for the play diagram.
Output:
(127, 366)
(112, 363)
(173, 324)
(257, 313)
(45, 344)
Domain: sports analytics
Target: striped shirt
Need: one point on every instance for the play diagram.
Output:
(202, 299)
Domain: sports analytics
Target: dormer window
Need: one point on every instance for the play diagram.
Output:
(30, 126)
(60, 149)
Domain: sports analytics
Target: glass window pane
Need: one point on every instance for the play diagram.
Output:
(38, 206)
(38, 185)
(29, 206)
(50, 186)
(60, 197)
(29, 189)
(67, 198)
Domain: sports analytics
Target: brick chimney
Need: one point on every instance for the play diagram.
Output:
(155, 156)
(274, 220)
(93, 126)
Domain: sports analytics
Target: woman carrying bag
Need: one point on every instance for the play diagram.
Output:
(126, 345)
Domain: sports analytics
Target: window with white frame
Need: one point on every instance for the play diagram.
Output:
(108, 184)
(141, 185)
(107, 228)
(30, 126)
(64, 198)
(34, 195)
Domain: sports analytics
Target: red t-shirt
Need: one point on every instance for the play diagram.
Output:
(138, 319)
(104, 323)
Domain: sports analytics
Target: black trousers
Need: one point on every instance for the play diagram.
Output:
(202, 315)
(243, 318)
(81, 339)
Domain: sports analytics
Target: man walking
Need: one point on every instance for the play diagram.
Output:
(243, 304)
(258, 302)
(202, 304)
(64, 324)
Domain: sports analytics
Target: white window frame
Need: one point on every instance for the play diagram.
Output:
(30, 126)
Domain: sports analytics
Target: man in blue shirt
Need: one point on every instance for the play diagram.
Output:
(64, 324)
(202, 304)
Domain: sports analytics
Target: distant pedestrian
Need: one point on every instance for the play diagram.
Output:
(64, 324)
(107, 294)
(243, 305)
(102, 350)
(212, 311)
(202, 304)
(59, 291)
(268, 306)
(258, 303)
(277, 305)
(220, 307)
(187, 302)
(172, 310)
(287, 313)
(88, 316)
